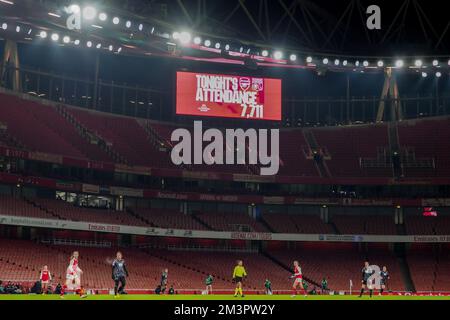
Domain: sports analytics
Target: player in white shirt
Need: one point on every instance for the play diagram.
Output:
(73, 275)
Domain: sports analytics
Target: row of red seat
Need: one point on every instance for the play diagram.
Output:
(338, 263)
(429, 267)
(43, 128)
(224, 221)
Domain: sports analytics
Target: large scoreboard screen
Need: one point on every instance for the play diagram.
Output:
(228, 96)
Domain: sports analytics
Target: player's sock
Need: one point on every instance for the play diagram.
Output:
(294, 292)
(122, 289)
(240, 291)
(371, 293)
(361, 293)
(381, 291)
(236, 291)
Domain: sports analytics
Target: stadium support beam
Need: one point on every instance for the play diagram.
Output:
(384, 94)
(10, 64)
(396, 108)
(252, 20)
(389, 93)
(441, 37)
(348, 10)
(185, 12)
(280, 21)
(231, 14)
(296, 23)
(403, 8)
(96, 81)
(307, 13)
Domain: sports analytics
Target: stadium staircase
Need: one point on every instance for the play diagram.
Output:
(203, 223)
(8, 140)
(266, 224)
(90, 137)
(139, 217)
(395, 150)
(401, 229)
(38, 206)
(158, 142)
(318, 159)
(154, 137)
(335, 228)
(249, 168)
(399, 251)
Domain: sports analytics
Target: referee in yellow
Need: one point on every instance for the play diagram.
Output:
(239, 274)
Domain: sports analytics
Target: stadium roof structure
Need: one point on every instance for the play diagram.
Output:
(320, 25)
(301, 34)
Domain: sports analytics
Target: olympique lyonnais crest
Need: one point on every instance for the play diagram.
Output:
(244, 83)
(258, 84)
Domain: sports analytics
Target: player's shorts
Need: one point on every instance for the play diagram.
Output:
(382, 282)
(45, 282)
(238, 279)
(120, 279)
(298, 280)
(364, 282)
(71, 276)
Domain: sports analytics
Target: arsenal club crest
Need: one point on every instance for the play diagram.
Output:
(244, 83)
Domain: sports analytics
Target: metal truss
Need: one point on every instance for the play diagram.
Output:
(337, 27)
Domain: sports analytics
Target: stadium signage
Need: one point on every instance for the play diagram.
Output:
(253, 178)
(104, 228)
(251, 236)
(228, 96)
(89, 188)
(129, 192)
(274, 200)
(230, 150)
(133, 169)
(176, 196)
(431, 238)
(341, 238)
(438, 202)
(213, 197)
(200, 234)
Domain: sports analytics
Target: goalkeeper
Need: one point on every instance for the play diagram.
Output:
(119, 273)
(239, 275)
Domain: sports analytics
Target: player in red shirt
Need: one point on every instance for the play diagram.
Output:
(298, 279)
(45, 277)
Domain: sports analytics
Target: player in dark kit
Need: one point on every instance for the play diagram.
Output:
(384, 274)
(119, 274)
(367, 272)
(209, 282)
(164, 278)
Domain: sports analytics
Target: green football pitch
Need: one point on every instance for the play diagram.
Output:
(215, 297)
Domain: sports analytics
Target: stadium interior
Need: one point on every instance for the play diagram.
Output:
(85, 159)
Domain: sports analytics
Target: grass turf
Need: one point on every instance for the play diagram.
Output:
(215, 297)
